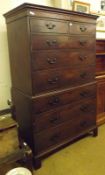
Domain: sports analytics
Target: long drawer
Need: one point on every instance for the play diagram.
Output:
(54, 100)
(64, 132)
(41, 42)
(69, 112)
(55, 58)
(44, 81)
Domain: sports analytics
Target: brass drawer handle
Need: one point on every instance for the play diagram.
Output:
(54, 101)
(50, 26)
(53, 80)
(83, 75)
(51, 60)
(82, 58)
(83, 42)
(54, 120)
(51, 43)
(83, 28)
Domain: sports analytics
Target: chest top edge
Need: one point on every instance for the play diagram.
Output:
(26, 7)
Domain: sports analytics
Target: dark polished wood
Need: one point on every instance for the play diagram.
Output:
(100, 100)
(100, 77)
(66, 113)
(54, 100)
(61, 78)
(61, 42)
(55, 135)
(52, 58)
(53, 26)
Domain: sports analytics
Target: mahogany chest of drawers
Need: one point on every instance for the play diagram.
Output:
(52, 59)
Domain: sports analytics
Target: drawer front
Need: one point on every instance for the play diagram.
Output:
(40, 25)
(82, 42)
(49, 102)
(61, 42)
(53, 59)
(44, 81)
(49, 42)
(69, 112)
(82, 28)
(63, 133)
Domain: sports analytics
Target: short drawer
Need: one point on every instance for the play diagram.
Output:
(70, 112)
(42, 25)
(81, 28)
(52, 101)
(54, 59)
(63, 133)
(44, 81)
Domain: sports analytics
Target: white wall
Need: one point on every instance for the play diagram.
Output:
(5, 82)
(67, 4)
(41, 2)
(6, 5)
